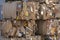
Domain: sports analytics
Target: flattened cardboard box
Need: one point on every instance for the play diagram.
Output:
(46, 27)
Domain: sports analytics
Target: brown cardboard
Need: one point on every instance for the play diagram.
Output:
(41, 27)
(9, 9)
(57, 11)
(12, 31)
(29, 10)
(6, 28)
(31, 27)
(46, 12)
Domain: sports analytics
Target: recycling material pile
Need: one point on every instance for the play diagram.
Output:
(30, 19)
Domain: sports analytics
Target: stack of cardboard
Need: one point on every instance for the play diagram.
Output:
(14, 10)
(20, 10)
(25, 28)
(28, 25)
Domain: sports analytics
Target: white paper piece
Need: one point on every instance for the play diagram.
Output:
(47, 2)
(31, 38)
(31, 9)
(41, 12)
(19, 34)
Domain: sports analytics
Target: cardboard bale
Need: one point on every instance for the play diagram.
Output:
(9, 9)
(34, 9)
(27, 27)
(48, 27)
(46, 12)
(6, 28)
(41, 27)
(52, 27)
(31, 27)
(56, 29)
(15, 10)
(29, 10)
